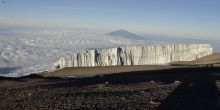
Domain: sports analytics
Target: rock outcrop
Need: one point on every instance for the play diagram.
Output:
(136, 55)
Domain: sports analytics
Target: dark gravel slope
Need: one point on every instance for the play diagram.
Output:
(197, 89)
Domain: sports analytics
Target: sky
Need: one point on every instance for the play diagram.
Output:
(181, 18)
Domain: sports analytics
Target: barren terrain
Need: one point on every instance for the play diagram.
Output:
(129, 87)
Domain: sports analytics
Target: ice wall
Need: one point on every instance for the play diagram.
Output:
(136, 55)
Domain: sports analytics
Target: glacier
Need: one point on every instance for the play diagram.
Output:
(135, 55)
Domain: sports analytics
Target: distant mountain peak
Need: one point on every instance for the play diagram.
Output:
(125, 34)
(122, 30)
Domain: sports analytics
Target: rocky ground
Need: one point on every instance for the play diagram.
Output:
(143, 95)
(142, 91)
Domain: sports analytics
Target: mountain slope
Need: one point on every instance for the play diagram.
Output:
(125, 34)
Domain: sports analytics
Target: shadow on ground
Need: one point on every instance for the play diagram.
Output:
(198, 93)
(198, 90)
(191, 74)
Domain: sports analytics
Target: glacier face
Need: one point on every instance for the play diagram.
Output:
(136, 55)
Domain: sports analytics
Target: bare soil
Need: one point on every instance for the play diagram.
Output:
(170, 89)
(191, 87)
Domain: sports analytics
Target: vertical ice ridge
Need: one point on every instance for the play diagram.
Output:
(136, 55)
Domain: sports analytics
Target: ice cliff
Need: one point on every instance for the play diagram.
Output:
(136, 55)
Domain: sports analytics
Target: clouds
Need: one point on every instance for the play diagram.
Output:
(34, 50)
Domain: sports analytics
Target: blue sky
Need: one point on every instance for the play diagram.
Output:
(181, 18)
